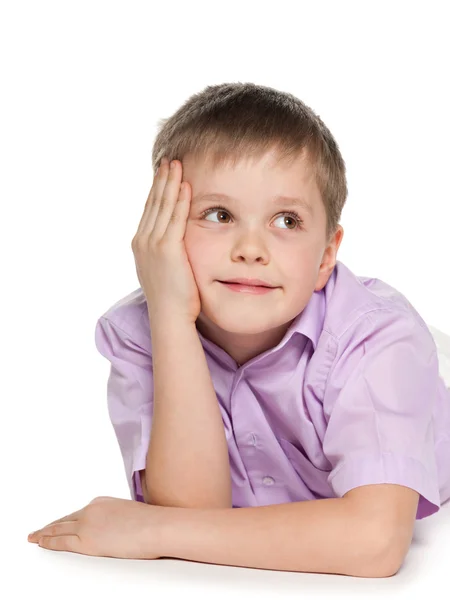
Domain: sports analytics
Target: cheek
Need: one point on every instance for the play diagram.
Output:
(198, 249)
(198, 243)
(297, 270)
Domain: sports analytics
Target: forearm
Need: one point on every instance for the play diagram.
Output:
(316, 536)
(187, 462)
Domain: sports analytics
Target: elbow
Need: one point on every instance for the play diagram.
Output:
(380, 569)
(391, 561)
(386, 562)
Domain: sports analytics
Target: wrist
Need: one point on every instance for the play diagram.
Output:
(164, 318)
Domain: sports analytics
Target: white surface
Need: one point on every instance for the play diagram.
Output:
(83, 86)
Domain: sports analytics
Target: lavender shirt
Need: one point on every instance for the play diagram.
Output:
(351, 396)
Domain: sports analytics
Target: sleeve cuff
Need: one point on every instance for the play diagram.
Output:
(388, 468)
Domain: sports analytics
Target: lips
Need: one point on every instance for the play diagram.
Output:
(247, 289)
(249, 282)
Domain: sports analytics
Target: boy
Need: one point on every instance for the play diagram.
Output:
(310, 384)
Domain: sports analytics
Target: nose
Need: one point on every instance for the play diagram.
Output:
(249, 247)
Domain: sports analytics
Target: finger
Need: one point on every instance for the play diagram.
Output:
(72, 517)
(155, 201)
(176, 228)
(63, 543)
(169, 199)
(59, 528)
(148, 218)
(146, 211)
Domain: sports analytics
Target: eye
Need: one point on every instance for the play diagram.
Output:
(208, 211)
(290, 215)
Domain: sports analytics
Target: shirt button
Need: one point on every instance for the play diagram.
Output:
(268, 480)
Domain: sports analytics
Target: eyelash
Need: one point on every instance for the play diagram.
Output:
(292, 214)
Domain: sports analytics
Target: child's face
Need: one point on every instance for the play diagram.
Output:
(255, 238)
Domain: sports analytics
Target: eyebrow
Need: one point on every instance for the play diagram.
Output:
(280, 200)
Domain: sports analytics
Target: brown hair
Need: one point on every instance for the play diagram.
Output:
(230, 121)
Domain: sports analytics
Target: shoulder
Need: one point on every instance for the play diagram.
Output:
(128, 317)
(370, 330)
(362, 304)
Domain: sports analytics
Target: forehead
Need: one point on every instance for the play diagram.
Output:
(270, 159)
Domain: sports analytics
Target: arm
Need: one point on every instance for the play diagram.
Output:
(187, 462)
(316, 536)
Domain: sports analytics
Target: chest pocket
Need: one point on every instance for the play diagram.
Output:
(313, 477)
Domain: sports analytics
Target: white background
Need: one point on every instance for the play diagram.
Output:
(82, 87)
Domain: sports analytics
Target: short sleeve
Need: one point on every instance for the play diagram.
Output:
(380, 397)
(129, 397)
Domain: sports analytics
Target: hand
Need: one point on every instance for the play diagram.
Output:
(107, 526)
(162, 264)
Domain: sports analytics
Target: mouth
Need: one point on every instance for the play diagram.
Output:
(249, 283)
(246, 288)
